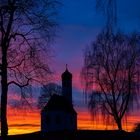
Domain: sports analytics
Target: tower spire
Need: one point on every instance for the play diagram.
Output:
(66, 66)
(67, 84)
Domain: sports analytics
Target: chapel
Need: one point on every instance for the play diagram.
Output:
(59, 113)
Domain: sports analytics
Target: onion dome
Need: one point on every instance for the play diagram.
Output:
(66, 75)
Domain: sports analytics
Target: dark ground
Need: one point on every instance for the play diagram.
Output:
(78, 135)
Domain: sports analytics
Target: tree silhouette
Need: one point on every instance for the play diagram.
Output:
(46, 92)
(109, 9)
(0, 113)
(111, 64)
(26, 28)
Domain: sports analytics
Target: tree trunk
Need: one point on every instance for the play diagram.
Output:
(4, 85)
(119, 124)
(4, 89)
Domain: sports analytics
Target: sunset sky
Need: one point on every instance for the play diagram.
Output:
(79, 24)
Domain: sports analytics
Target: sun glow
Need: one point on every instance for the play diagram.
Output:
(21, 121)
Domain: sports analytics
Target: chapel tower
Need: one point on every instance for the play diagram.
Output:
(67, 85)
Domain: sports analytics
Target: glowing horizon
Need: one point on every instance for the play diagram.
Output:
(28, 121)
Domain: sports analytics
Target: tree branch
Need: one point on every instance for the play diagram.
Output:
(18, 84)
(11, 67)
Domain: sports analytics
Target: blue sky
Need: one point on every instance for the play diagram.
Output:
(80, 23)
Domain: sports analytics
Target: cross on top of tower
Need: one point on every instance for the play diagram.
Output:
(66, 74)
(66, 66)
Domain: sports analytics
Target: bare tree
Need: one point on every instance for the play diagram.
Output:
(26, 27)
(46, 92)
(0, 114)
(109, 9)
(111, 74)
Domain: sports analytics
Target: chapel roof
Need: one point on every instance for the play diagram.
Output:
(58, 103)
